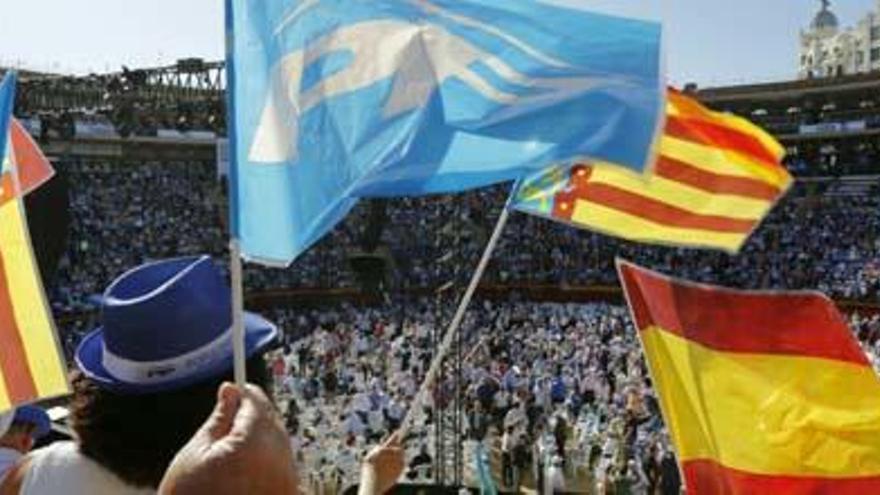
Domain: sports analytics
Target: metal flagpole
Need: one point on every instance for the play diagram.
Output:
(452, 330)
(238, 350)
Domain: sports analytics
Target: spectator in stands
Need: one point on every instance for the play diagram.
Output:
(148, 379)
(421, 463)
(29, 424)
(508, 447)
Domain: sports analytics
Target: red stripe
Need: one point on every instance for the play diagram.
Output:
(13, 359)
(33, 167)
(796, 323)
(6, 191)
(706, 477)
(660, 212)
(679, 171)
(719, 136)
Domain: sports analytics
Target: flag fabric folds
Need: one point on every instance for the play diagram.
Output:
(335, 100)
(716, 177)
(31, 366)
(761, 392)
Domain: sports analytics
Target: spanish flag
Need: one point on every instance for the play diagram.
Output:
(31, 366)
(715, 178)
(762, 392)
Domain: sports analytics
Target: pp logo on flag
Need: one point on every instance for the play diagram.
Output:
(419, 57)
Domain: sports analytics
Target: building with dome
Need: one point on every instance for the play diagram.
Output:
(827, 50)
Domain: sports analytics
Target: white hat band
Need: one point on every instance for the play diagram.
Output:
(156, 372)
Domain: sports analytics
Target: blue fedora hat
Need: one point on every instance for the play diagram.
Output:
(36, 416)
(165, 326)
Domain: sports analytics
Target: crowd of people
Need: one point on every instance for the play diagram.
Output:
(547, 388)
(554, 395)
(125, 213)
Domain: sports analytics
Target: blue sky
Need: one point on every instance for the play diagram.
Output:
(711, 42)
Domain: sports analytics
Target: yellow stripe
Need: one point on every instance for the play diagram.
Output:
(721, 161)
(617, 223)
(29, 305)
(681, 195)
(767, 414)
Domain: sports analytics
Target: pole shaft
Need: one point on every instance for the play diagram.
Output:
(238, 350)
(452, 330)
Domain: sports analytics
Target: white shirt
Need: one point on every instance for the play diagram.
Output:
(8, 458)
(362, 403)
(353, 425)
(60, 468)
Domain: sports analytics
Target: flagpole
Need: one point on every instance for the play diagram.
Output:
(235, 269)
(238, 349)
(452, 330)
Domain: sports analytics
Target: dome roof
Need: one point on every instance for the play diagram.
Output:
(825, 19)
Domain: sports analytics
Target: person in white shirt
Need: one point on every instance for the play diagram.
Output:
(353, 425)
(28, 424)
(508, 447)
(146, 379)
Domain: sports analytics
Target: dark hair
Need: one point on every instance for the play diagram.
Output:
(137, 436)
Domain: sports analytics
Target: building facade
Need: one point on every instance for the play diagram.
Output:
(828, 50)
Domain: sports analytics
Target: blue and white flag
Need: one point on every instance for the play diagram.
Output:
(333, 100)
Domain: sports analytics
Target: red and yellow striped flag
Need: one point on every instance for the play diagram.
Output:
(716, 177)
(31, 366)
(761, 392)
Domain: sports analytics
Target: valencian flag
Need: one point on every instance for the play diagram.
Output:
(32, 166)
(31, 366)
(716, 177)
(336, 100)
(762, 392)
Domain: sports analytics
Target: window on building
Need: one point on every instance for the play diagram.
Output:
(875, 32)
(875, 54)
(860, 58)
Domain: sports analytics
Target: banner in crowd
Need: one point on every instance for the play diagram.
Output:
(337, 100)
(717, 176)
(31, 366)
(761, 392)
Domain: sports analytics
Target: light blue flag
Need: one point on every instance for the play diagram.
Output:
(333, 100)
(7, 100)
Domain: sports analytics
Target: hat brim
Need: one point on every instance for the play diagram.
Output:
(259, 335)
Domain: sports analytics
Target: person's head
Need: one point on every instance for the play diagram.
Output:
(29, 424)
(149, 375)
